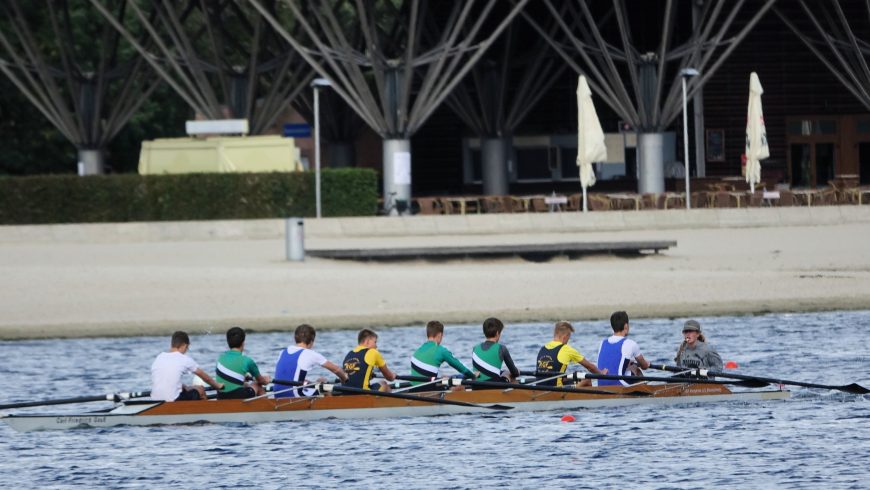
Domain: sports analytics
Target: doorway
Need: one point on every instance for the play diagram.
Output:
(812, 164)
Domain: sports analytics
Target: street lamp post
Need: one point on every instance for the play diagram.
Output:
(687, 73)
(317, 84)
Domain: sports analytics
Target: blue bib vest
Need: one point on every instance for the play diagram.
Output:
(548, 362)
(610, 357)
(286, 369)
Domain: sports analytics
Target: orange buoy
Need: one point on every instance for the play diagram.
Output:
(730, 365)
(568, 418)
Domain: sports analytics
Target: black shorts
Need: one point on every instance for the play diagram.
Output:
(188, 395)
(237, 394)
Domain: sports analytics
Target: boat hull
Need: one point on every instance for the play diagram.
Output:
(359, 407)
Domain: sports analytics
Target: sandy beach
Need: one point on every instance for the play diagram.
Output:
(74, 288)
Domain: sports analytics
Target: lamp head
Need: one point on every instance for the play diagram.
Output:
(689, 72)
(321, 82)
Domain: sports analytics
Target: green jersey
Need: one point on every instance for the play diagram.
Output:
(428, 359)
(231, 368)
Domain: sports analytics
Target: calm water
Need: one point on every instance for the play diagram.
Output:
(815, 439)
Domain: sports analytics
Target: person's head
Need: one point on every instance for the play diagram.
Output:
(304, 335)
(692, 332)
(367, 338)
(562, 332)
(180, 341)
(492, 328)
(235, 337)
(619, 321)
(435, 331)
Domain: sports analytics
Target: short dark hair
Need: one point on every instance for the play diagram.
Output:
(235, 337)
(433, 328)
(492, 327)
(365, 334)
(618, 320)
(304, 334)
(562, 328)
(180, 338)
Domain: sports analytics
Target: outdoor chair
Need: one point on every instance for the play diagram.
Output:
(447, 206)
(494, 204)
(597, 202)
(755, 199)
(575, 202)
(786, 198)
(723, 200)
(650, 200)
(539, 205)
(428, 205)
(699, 200)
(827, 197)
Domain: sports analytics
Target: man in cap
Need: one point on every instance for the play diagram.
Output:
(695, 352)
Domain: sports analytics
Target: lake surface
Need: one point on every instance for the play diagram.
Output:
(817, 438)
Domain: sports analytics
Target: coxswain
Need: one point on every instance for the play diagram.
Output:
(361, 361)
(296, 361)
(169, 368)
(618, 354)
(489, 356)
(694, 351)
(427, 359)
(556, 355)
(234, 368)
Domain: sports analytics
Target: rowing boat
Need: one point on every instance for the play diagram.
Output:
(145, 412)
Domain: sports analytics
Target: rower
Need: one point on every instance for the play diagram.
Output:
(233, 368)
(295, 362)
(168, 369)
(556, 355)
(619, 354)
(427, 359)
(695, 352)
(489, 356)
(361, 361)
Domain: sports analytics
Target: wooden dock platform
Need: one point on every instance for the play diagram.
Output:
(536, 252)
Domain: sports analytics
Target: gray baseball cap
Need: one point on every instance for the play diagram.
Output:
(691, 326)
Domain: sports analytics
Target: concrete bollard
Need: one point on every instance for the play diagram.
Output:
(295, 239)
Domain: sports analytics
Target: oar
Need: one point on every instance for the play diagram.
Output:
(402, 396)
(853, 388)
(754, 383)
(522, 386)
(112, 397)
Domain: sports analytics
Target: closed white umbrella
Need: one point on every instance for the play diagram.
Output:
(590, 137)
(756, 133)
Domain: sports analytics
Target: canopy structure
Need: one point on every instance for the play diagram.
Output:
(756, 133)
(641, 82)
(88, 93)
(393, 63)
(220, 57)
(835, 36)
(500, 91)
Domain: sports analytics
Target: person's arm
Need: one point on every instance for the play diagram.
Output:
(714, 361)
(208, 379)
(643, 363)
(455, 363)
(388, 374)
(336, 370)
(261, 379)
(509, 362)
(592, 368)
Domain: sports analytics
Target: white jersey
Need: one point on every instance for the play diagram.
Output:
(166, 373)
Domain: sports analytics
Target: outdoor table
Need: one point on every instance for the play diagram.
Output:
(769, 196)
(556, 202)
(738, 195)
(463, 202)
(807, 194)
(632, 198)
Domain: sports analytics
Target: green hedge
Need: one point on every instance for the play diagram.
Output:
(127, 197)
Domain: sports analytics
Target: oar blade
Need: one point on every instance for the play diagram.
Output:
(751, 383)
(854, 388)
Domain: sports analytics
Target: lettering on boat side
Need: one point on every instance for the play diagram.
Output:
(80, 420)
(702, 390)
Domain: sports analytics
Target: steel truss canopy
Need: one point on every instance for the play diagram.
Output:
(219, 56)
(393, 62)
(835, 41)
(642, 84)
(88, 93)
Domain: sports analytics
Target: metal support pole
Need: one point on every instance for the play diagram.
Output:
(317, 147)
(686, 146)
